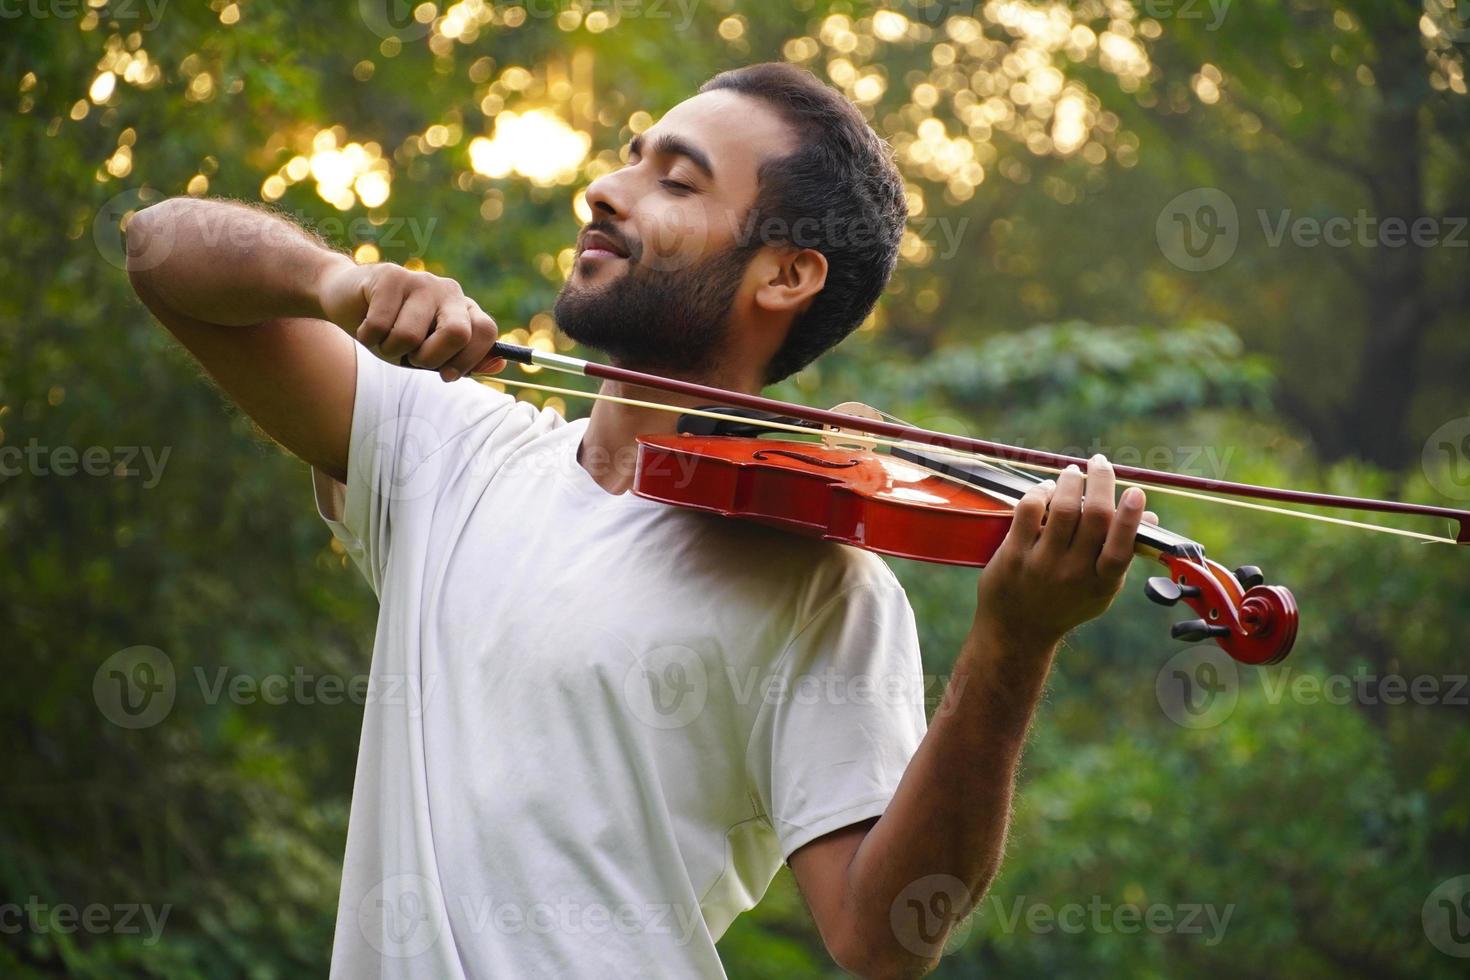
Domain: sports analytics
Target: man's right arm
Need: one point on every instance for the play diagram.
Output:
(257, 301)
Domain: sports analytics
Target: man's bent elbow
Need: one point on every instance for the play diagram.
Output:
(882, 957)
(149, 236)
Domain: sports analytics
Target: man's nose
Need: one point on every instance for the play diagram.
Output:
(609, 196)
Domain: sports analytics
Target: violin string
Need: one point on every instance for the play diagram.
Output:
(1003, 465)
(1210, 498)
(493, 380)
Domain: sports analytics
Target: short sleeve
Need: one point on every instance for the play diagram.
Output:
(841, 717)
(413, 436)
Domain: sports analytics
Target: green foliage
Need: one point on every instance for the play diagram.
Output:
(1326, 825)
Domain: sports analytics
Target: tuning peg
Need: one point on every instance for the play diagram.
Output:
(1194, 630)
(1249, 576)
(1165, 591)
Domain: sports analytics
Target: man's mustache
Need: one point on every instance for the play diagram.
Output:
(633, 248)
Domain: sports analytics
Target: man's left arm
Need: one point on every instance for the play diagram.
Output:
(885, 894)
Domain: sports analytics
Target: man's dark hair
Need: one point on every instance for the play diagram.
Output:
(838, 193)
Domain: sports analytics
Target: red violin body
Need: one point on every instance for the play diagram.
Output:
(938, 496)
(856, 496)
(900, 506)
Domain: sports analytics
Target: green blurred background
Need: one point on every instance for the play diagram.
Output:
(1226, 238)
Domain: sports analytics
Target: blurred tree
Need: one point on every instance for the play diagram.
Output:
(459, 138)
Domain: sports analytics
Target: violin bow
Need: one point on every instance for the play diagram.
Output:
(896, 432)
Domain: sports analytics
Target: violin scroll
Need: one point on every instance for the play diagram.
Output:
(1253, 622)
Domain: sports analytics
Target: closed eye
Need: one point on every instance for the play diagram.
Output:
(677, 187)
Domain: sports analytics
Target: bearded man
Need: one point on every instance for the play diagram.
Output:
(625, 717)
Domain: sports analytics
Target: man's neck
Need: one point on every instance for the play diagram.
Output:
(609, 446)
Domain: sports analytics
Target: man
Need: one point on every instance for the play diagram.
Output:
(632, 714)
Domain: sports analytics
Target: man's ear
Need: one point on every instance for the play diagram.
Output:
(790, 279)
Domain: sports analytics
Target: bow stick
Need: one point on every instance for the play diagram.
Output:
(531, 356)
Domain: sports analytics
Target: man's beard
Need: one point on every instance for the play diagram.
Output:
(662, 321)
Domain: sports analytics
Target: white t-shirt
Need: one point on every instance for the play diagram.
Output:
(595, 725)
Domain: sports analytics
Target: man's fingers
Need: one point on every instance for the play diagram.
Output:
(1117, 553)
(1026, 522)
(475, 352)
(1097, 505)
(1064, 513)
(448, 339)
(387, 300)
(1149, 517)
(490, 365)
(413, 324)
(482, 322)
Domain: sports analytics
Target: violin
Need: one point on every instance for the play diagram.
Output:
(937, 497)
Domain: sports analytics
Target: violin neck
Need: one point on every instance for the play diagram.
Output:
(1010, 485)
(1007, 485)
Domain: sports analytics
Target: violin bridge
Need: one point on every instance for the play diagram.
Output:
(834, 437)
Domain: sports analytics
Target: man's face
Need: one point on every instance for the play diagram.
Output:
(660, 269)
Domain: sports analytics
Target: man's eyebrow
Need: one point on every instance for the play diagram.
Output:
(671, 145)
